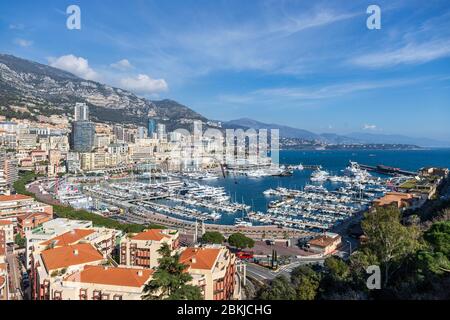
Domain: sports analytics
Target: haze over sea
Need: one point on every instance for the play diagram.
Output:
(250, 190)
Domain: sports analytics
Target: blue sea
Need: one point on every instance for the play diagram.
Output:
(250, 190)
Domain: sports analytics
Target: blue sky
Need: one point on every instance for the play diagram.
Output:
(308, 64)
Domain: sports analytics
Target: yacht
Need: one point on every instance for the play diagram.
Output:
(319, 176)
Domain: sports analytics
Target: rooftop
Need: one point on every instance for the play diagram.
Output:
(323, 241)
(14, 197)
(71, 255)
(69, 237)
(200, 258)
(151, 234)
(127, 277)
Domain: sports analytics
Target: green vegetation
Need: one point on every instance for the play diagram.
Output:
(414, 265)
(71, 213)
(213, 237)
(170, 281)
(240, 241)
(410, 184)
(19, 240)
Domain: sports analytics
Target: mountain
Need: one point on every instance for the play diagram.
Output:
(285, 131)
(365, 137)
(48, 90)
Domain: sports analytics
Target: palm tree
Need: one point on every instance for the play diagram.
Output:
(170, 280)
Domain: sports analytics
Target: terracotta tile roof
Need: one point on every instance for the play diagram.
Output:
(151, 234)
(200, 258)
(5, 222)
(2, 281)
(69, 237)
(323, 241)
(392, 197)
(127, 277)
(14, 197)
(72, 255)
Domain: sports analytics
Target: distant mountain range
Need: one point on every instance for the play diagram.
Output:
(331, 138)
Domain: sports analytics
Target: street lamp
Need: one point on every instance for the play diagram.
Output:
(350, 244)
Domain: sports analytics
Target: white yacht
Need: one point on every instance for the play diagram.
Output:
(319, 176)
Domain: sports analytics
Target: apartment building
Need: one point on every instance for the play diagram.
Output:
(30, 221)
(8, 228)
(213, 269)
(49, 230)
(103, 283)
(142, 249)
(4, 286)
(12, 206)
(51, 265)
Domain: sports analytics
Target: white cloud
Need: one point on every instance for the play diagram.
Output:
(143, 84)
(410, 54)
(122, 65)
(369, 127)
(23, 42)
(76, 65)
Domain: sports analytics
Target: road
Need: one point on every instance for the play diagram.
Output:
(15, 276)
(263, 274)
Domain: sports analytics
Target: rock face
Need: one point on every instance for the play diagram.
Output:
(45, 90)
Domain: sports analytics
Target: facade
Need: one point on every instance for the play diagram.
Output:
(8, 230)
(141, 249)
(4, 285)
(83, 136)
(81, 112)
(13, 206)
(30, 221)
(151, 128)
(213, 269)
(399, 199)
(103, 283)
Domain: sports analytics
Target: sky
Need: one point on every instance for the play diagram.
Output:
(313, 65)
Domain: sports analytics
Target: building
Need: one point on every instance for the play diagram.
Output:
(151, 128)
(13, 206)
(103, 283)
(49, 230)
(213, 269)
(8, 230)
(399, 199)
(161, 131)
(52, 265)
(81, 112)
(142, 249)
(30, 221)
(4, 284)
(83, 136)
(325, 244)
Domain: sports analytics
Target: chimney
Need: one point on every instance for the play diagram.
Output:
(75, 252)
(194, 260)
(140, 273)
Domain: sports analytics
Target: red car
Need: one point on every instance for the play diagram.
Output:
(244, 255)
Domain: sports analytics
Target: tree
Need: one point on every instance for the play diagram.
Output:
(306, 282)
(240, 241)
(337, 269)
(387, 239)
(279, 289)
(19, 240)
(436, 258)
(170, 281)
(213, 237)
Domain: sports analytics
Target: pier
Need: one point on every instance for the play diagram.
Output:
(387, 170)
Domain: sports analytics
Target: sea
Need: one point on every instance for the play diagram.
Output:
(250, 190)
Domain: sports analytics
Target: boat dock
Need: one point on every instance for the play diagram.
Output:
(387, 170)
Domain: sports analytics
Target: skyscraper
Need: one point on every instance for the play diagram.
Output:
(83, 135)
(81, 112)
(151, 128)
